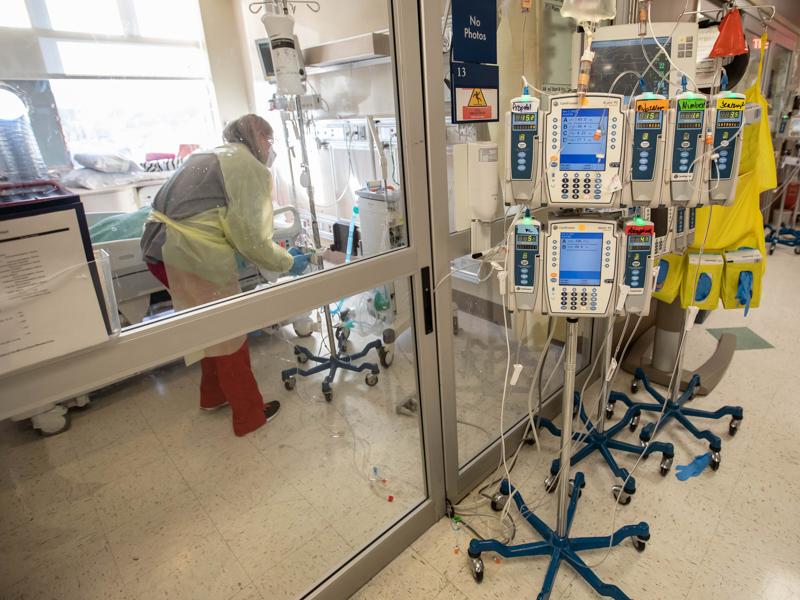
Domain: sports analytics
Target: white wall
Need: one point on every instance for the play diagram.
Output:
(228, 73)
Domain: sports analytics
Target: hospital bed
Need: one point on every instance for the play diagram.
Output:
(134, 284)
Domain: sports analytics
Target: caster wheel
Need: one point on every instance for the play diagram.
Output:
(498, 501)
(634, 422)
(289, 383)
(733, 428)
(797, 249)
(572, 489)
(634, 386)
(386, 356)
(371, 379)
(343, 346)
(622, 497)
(476, 566)
(666, 465)
(550, 484)
(695, 391)
(328, 396)
(303, 327)
(609, 411)
(716, 459)
(639, 545)
(771, 250)
(302, 359)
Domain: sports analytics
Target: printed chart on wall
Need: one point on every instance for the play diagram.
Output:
(48, 302)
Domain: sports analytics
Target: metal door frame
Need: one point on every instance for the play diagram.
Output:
(459, 481)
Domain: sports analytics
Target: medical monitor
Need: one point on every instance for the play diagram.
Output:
(619, 48)
(265, 56)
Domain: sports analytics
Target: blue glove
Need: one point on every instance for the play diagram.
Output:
(703, 287)
(745, 291)
(300, 264)
(694, 468)
(295, 251)
(663, 269)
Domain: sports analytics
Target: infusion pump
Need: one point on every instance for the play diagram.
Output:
(637, 266)
(648, 126)
(579, 267)
(727, 117)
(523, 152)
(685, 147)
(583, 150)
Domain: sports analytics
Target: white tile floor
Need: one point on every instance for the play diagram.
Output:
(145, 496)
(732, 534)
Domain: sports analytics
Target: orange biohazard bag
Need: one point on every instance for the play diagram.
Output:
(730, 41)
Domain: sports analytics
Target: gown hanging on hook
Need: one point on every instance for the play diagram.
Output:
(731, 40)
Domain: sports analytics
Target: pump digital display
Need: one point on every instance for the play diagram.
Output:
(581, 258)
(728, 114)
(527, 242)
(650, 119)
(690, 119)
(580, 151)
(633, 55)
(639, 239)
(521, 121)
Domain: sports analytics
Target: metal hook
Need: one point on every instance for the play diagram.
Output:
(765, 22)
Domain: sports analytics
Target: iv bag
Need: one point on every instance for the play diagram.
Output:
(589, 10)
(280, 29)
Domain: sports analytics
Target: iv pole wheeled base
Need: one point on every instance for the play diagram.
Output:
(557, 543)
(559, 548)
(675, 410)
(603, 442)
(337, 360)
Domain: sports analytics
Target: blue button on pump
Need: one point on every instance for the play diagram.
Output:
(644, 154)
(723, 167)
(684, 161)
(684, 167)
(520, 161)
(643, 167)
(684, 154)
(723, 153)
(723, 160)
(643, 161)
(520, 167)
(526, 270)
(522, 154)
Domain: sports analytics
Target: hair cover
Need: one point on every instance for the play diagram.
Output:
(249, 130)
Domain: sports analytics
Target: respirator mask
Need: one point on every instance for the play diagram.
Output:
(271, 156)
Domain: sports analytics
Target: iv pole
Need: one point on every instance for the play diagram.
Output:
(305, 181)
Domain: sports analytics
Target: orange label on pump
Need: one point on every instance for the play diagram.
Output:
(648, 105)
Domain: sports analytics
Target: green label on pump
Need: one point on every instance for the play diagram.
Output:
(692, 104)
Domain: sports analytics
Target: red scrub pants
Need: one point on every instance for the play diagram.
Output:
(227, 379)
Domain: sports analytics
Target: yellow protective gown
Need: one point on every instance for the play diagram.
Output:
(742, 224)
(199, 254)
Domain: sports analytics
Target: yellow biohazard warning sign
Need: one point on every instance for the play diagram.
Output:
(477, 99)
